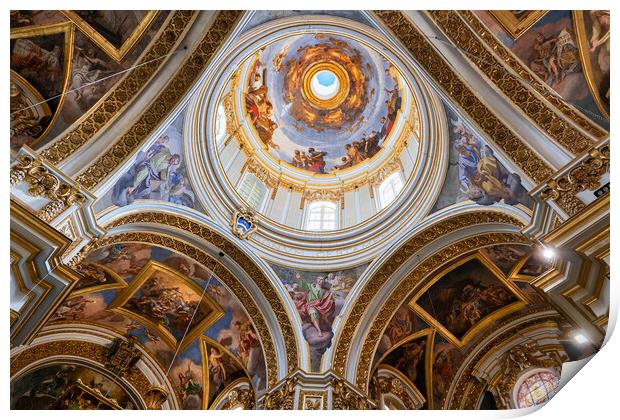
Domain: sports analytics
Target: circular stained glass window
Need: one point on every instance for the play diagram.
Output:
(325, 84)
(537, 388)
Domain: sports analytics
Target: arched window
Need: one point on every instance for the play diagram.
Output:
(536, 388)
(253, 191)
(389, 189)
(322, 215)
(220, 124)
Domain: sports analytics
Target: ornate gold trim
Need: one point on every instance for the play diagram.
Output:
(42, 183)
(509, 60)
(445, 77)
(67, 29)
(306, 396)
(125, 147)
(120, 282)
(113, 102)
(243, 400)
(514, 26)
(484, 322)
(116, 53)
(343, 85)
(585, 175)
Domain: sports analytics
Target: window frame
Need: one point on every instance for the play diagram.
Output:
(379, 189)
(256, 182)
(324, 204)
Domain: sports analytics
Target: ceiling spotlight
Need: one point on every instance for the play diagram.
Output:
(548, 253)
(580, 338)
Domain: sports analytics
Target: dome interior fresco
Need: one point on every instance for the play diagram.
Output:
(322, 102)
(308, 209)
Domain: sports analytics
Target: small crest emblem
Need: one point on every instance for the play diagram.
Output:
(243, 223)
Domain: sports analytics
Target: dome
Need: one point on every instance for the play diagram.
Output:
(318, 112)
(321, 102)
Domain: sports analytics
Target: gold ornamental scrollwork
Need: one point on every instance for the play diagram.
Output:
(550, 122)
(42, 183)
(170, 96)
(108, 108)
(243, 398)
(243, 223)
(344, 398)
(585, 176)
(435, 66)
(282, 398)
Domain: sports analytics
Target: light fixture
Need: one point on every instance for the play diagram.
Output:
(548, 253)
(580, 338)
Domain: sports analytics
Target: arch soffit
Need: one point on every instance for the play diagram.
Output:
(354, 349)
(88, 345)
(244, 274)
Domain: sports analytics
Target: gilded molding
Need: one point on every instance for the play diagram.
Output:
(91, 351)
(586, 175)
(344, 398)
(239, 398)
(240, 258)
(407, 250)
(282, 398)
(484, 57)
(108, 108)
(391, 385)
(434, 65)
(168, 99)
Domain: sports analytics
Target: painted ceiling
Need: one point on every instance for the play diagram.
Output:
(322, 102)
(215, 310)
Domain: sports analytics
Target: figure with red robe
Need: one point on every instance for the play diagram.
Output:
(317, 302)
